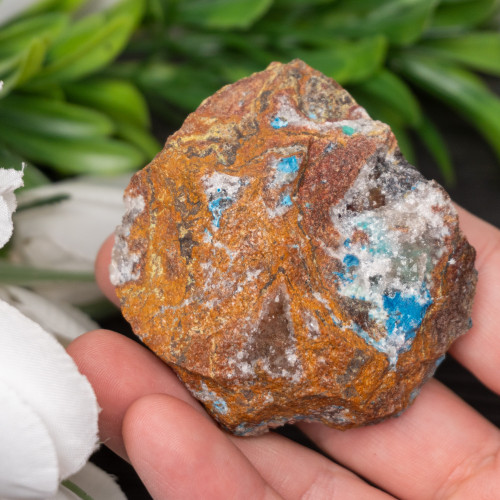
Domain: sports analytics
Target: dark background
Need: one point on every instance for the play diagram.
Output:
(477, 189)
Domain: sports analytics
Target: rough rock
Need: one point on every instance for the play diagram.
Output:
(287, 262)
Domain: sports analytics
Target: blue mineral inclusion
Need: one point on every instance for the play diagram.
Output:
(220, 406)
(405, 314)
(288, 165)
(218, 206)
(378, 244)
(348, 130)
(278, 122)
(350, 261)
(287, 201)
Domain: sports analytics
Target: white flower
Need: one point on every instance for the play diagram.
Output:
(48, 422)
(60, 319)
(48, 417)
(10, 180)
(67, 234)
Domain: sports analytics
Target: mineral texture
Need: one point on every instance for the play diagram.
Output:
(287, 262)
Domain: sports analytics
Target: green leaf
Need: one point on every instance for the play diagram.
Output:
(459, 88)
(19, 34)
(455, 17)
(99, 156)
(348, 61)
(298, 3)
(90, 44)
(14, 274)
(183, 86)
(52, 118)
(393, 93)
(50, 91)
(246, 50)
(477, 50)
(139, 137)
(85, 54)
(401, 21)
(117, 98)
(155, 11)
(77, 35)
(8, 159)
(8, 63)
(222, 14)
(434, 142)
(22, 68)
(238, 68)
(32, 176)
(43, 6)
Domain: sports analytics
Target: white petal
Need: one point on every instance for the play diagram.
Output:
(95, 482)
(74, 293)
(10, 180)
(6, 226)
(28, 460)
(37, 367)
(91, 189)
(67, 234)
(58, 318)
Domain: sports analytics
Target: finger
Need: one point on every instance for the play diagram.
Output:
(479, 349)
(121, 371)
(295, 471)
(436, 448)
(180, 454)
(102, 263)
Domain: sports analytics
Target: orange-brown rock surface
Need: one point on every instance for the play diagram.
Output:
(287, 262)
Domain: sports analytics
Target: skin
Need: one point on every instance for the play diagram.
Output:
(440, 448)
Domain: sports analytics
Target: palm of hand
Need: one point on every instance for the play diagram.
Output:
(439, 448)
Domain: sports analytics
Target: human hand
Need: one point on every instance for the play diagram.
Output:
(438, 448)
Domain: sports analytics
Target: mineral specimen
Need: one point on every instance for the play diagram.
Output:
(287, 262)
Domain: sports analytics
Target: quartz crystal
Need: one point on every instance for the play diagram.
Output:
(286, 261)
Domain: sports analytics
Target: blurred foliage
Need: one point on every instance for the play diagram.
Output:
(70, 105)
(57, 109)
(380, 51)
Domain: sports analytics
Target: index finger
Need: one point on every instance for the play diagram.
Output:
(102, 270)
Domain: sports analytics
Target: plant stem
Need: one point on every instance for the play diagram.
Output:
(76, 490)
(14, 274)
